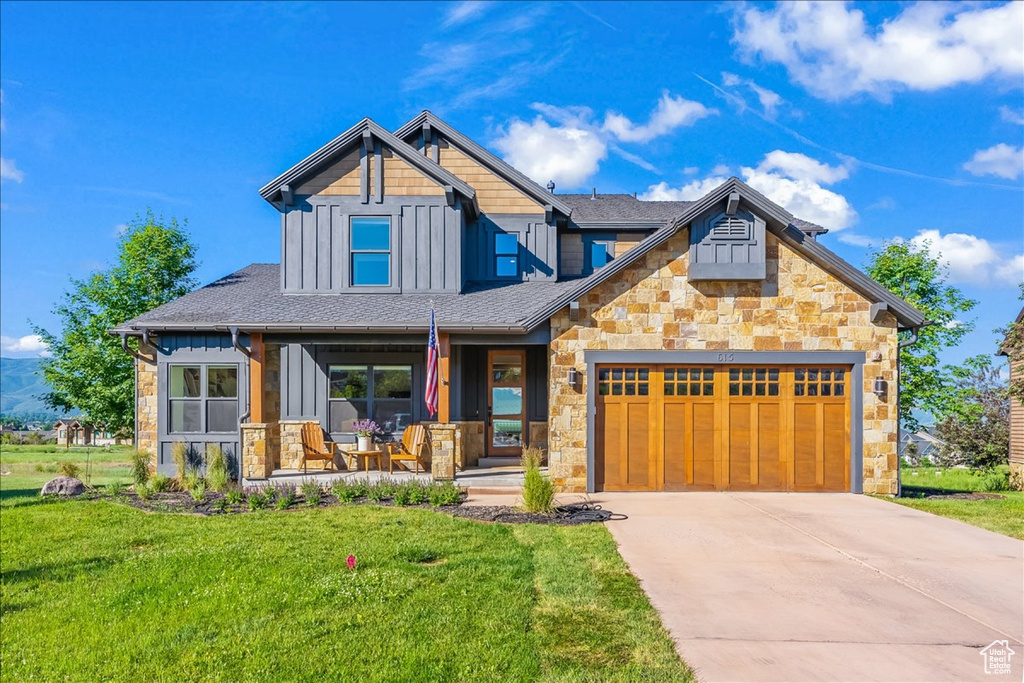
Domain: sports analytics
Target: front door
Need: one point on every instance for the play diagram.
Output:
(506, 402)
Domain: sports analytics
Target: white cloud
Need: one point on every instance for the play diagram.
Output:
(462, 12)
(769, 99)
(568, 144)
(120, 229)
(30, 343)
(793, 181)
(567, 154)
(856, 239)
(670, 113)
(9, 171)
(1011, 115)
(971, 259)
(829, 48)
(882, 204)
(999, 160)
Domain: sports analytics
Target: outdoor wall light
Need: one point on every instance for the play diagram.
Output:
(574, 377)
(880, 386)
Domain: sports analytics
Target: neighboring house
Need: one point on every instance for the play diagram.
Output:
(71, 432)
(712, 344)
(921, 445)
(1016, 417)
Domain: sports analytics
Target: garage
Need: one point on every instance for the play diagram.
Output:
(703, 427)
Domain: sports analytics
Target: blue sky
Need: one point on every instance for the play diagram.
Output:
(878, 120)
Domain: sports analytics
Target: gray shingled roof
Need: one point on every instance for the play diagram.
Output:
(252, 299)
(626, 207)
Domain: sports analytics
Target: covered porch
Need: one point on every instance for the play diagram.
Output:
(492, 402)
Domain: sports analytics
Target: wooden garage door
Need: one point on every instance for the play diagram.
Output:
(755, 428)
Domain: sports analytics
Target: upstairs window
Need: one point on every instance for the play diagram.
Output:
(506, 255)
(598, 251)
(371, 251)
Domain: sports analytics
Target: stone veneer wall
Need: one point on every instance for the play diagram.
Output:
(474, 440)
(272, 400)
(444, 448)
(539, 435)
(146, 403)
(652, 306)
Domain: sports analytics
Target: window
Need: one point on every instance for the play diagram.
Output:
(819, 382)
(506, 254)
(753, 381)
(194, 410)
(382, 393)
(371, 251)
(689, 381)
(623, 381)
(599, 255)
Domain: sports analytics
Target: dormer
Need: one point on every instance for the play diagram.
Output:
(368, 213)
(727, 243)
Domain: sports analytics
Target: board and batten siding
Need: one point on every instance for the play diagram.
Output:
(425, 246)
(538, 246)
(199, 349)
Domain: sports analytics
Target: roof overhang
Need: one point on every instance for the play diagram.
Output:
(279, 190)
(244, 327)
(485, 158)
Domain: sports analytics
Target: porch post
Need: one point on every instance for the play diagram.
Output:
(444, 385)
(256, 377)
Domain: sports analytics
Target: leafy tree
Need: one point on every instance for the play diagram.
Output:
(88, 370)
(918, 277)
(977, 429)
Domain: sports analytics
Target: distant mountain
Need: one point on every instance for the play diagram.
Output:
(21, 388)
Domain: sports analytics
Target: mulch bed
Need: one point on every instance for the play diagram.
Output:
(211, 505)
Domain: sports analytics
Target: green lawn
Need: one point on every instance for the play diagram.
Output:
(1004, 516)
(100, 591)
(26, 468)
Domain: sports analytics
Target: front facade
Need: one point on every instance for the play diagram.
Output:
(707, 345)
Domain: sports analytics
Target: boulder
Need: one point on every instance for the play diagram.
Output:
(63, 486)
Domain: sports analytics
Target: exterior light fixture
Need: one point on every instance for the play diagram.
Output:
(880, 386)
(574, 377)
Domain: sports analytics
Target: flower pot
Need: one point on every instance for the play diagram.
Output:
(364, 442)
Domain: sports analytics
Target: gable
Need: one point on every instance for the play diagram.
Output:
(344, 178)
(340, 179)
(494, 194)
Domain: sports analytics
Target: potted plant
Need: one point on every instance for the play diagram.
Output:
(365, 431)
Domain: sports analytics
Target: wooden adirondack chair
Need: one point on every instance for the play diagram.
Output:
(410, 448)
(314, 447)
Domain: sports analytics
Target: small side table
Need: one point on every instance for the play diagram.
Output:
(365, 455)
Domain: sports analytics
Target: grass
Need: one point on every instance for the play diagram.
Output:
(1004, 516)
(268, 596)
(30, 467)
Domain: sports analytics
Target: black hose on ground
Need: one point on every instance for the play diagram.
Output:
(587, 512)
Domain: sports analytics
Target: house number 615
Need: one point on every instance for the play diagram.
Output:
(725, 357)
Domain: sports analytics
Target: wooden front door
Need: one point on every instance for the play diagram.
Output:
(743, 428)
(506, 402)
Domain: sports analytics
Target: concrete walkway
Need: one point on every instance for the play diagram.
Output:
(822, 587)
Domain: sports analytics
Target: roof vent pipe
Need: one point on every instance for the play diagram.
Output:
(593, 194)
(551, 186)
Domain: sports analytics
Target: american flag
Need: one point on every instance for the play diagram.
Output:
(432, 352)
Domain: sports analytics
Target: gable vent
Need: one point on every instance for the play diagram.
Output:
(730, 228)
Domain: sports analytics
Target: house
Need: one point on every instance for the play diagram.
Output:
(71, 432)
(712, 344)
(920, 446)
(1016, 415)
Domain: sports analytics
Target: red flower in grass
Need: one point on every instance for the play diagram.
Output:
(351, 560)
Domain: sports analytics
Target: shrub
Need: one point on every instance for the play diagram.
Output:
(160, 483)
(444, 493)
(198, 491)
(538, 492)
(192, 480)
(533, 458)
(995, 481)
(417, 493)
(346, 492)
(115, 488)
(140, 468)
(69, 469)
(179, 453)
(312, 492)
(378, 491)
(285, 497)
(216, 468)
(401, 495)
(234, 496)
(258, 499)
(221, 505)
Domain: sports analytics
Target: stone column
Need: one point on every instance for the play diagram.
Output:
(444, 443)
(257, 462)
(291, 443)
(146, 403)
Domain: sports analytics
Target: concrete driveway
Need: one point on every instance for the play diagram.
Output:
(822, 587)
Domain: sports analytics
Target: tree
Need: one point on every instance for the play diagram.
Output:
(88, 371)
(916, 276)
(977, 429)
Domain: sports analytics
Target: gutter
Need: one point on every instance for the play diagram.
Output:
(264, 327)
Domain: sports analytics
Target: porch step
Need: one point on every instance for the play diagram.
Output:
(510, 461)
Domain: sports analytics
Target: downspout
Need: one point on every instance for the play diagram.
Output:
(244, 417)
(899, 423)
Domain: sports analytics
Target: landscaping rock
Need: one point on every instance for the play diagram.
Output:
(63, 486)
